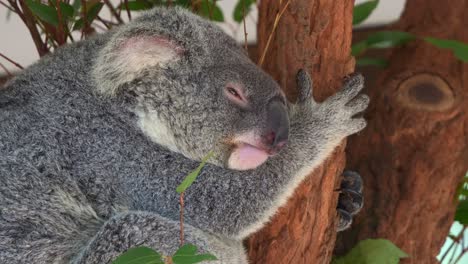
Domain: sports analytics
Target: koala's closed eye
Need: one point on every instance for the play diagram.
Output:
(235, 94)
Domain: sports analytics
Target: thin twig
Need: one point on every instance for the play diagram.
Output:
(104, 22)
(113, 11)
(275, 25)
(8, 7)
(6, 70)
(245, 27)
(30, 21)
(61, 37)
(181, 219)
(11, 61)
(128, 10)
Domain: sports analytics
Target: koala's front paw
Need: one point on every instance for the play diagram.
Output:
(350, 200)
(339, 115)
(345, 107)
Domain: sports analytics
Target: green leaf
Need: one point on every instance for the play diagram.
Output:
(183, 3)
(459, 49)
(192, 176)
(362, 11)
(372, 62)
(205, 11)
(139, 255)
(76, 7)
(46, 13)
(138, 5)
(461, 215)
(388, 39)
(238, 13)
(372, 251)
(67, 10)
(92, 13)
(358, 48)
(187, 254)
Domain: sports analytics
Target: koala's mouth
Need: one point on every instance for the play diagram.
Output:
(246, 156)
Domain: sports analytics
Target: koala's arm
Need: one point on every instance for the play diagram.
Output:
(237, 204)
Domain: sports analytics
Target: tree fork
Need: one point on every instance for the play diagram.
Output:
(314, 35)
(414, 152)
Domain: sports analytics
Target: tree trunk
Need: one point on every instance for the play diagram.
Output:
(414, 152)
(314, 35)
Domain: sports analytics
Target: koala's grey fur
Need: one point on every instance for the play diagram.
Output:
(80, 182)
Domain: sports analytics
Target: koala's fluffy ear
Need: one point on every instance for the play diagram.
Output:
(127, 56)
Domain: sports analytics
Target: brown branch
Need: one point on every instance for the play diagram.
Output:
(8, 7)
(30, 21)
(104, 22)
(245, 27)
(113, 11)
(6, 70)
(128, 10)
(11, 61)
(182, 219)
(61, 37)
(275, 25)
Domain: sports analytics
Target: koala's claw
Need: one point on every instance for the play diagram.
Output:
(304, 86)
(350, 200)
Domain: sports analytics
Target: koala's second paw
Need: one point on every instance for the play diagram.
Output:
(350, 200)
(344, 108)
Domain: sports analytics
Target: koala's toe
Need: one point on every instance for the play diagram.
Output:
(344, 220)
(304, 86)
(351, 181)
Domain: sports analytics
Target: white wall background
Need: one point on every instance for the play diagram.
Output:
(16, 43)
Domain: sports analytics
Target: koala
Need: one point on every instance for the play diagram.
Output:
(95, 138)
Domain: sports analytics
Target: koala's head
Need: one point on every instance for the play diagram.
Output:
(194, 89)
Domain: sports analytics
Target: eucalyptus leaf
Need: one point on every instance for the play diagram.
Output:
(372, 251)
(67, 10)
(362, 11)
(187, 254)
(217, 13)
(238, 13)
(139, 255)
(459, 49)
(461, 215)
(91, 14)
(388, 39)
(138, 5)
(44, 12)
(192, 176)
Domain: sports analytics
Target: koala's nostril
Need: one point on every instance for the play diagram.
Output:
(277, 125)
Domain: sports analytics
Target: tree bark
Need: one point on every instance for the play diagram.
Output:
(314, 35)
(414, 152)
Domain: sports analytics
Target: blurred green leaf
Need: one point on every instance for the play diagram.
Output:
(183, 3)
(358, 48)
(382, 40)
(238, 13)
(362, 11)
(192, 176)
(91, 14)
(138, 5)
(46, 13)
(388, 39)
(459, 49)
(205, 11)
(372, 62)
(139, 255)
(461, 215)
(372, 251)
(67, 10)
(187, 254)
(76, 7)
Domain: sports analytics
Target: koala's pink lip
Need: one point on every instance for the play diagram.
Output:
(268, 151)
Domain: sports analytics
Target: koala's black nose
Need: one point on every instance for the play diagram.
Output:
(277, 130)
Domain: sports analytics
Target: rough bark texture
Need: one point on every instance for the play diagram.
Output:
(414, 152)
(314, 35)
